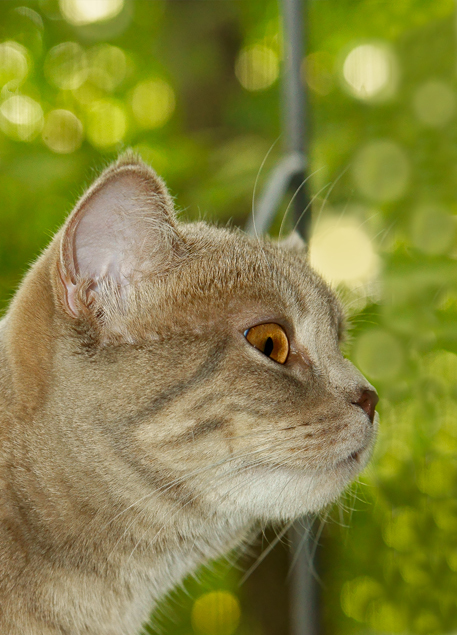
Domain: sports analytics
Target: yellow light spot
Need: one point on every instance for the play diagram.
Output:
(370, 71)
(342, 252)
(153, 103)
(452, 559)
(357, 594)
(427, 621)
(21, 117)
(387, 617)
(63, 132)
(88, 93)
(445, 514)
(106, 124)
(65, 66)
(80, 12)
(216, 613)
(318, 72)
(400, 531)
(107, 66)
(13, 63)
(436, 480)
(381, 170)
(434, 103)
(432, 229)
(257, 67)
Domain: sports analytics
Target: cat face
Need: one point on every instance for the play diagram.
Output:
(209, 359)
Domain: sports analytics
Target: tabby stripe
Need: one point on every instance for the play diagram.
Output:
(203, 373)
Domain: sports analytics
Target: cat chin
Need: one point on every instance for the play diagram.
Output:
(285, 494)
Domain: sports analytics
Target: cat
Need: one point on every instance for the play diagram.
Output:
(166, 389)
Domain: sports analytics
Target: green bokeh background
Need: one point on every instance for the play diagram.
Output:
(389, 566)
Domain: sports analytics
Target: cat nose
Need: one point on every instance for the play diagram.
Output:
(367, 401)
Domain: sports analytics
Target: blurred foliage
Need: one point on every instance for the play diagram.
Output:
(194, 87)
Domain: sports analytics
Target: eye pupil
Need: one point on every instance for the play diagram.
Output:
(270, 339)
(269, 345)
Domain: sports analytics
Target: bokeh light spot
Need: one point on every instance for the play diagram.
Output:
(317, 71)
(436, 479)
(107, 66)
(445, 515)
(80, 12)
(434, 103)
(426, 621)
(386, 617)
(106, 124)
(342, 252)
(66, 66)
(153, 103)
(13, 63)
(21, 117)
(257, 67)
(356, 596)
(400, 531)
(432, 229)
(216, 613)
(62, 132)
(379, 354)
(452, 559)
(370, 71)
(32, 15)
(381, 170)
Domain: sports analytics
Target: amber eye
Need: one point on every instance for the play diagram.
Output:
(271, 340)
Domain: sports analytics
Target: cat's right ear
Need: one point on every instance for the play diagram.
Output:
(122, 230)
(294, 242)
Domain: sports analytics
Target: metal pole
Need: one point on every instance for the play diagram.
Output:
(289, 174)
(294, 103)
(304, 596)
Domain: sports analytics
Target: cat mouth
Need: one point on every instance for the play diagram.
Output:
(357, 457)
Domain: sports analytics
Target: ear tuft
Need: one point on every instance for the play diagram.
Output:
(294, 242)
(122, 230)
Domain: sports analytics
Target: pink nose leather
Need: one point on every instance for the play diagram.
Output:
(367, 401)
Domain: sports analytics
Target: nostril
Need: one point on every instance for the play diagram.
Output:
(367, 401)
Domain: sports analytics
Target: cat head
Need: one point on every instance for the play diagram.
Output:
(210, 359)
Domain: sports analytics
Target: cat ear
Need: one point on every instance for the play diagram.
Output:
(294, 242)
(121, 230)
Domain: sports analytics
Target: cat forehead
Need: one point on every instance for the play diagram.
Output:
(226, 265)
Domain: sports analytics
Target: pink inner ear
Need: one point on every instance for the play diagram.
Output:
(122, 229)
(109, 237)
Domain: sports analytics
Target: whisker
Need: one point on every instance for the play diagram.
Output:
(302, 184)
(197, 472)
(265, 553)
(177, 481)
(180, 480)
(180, 507)
(313, 198)
(253, 203)
(256, 182)
(332, 187)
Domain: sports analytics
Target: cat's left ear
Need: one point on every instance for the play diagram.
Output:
(294, 242)
(122, 230)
